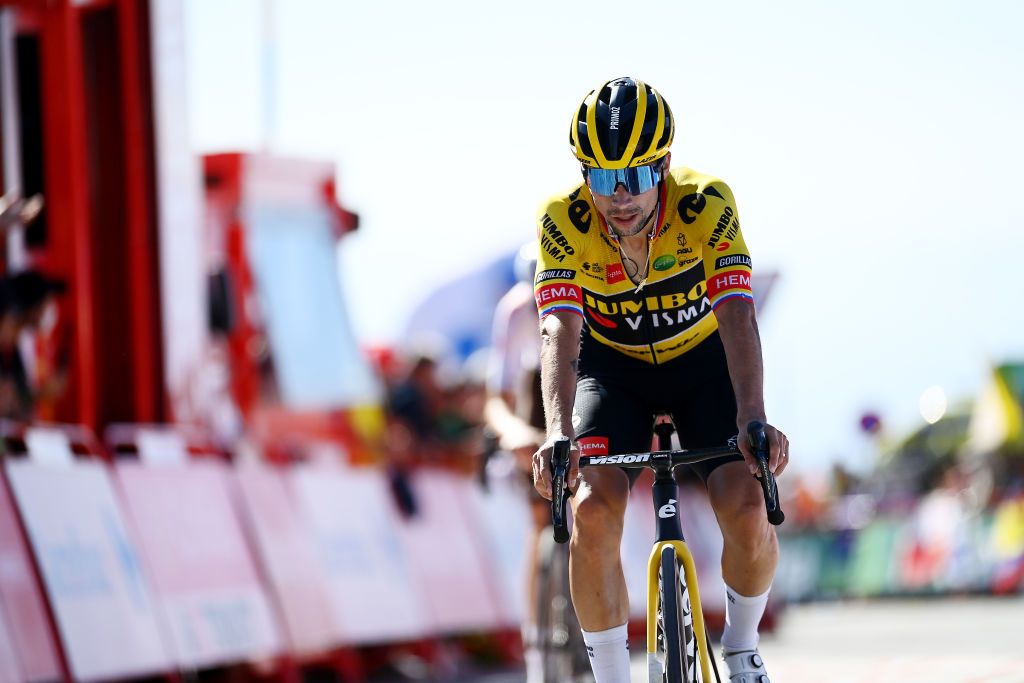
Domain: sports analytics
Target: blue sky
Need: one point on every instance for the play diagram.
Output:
(874, 149)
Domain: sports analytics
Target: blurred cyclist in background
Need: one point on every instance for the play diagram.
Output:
(514, 411)
(648, 269)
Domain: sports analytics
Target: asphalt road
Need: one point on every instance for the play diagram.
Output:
(926, 641)
(976, 640)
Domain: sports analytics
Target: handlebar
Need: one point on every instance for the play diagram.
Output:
(560, 488)
(759, 442)
(668, 460)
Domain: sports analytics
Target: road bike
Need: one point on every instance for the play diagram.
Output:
(678, 646)
(559, 640)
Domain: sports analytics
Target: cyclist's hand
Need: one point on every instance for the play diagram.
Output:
(778, 449)
(542, 466)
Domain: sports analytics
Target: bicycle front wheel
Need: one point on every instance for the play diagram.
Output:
(671, 621)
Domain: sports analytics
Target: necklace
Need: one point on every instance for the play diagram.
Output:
(638, 277)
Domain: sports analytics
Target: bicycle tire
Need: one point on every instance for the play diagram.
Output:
(563, 653)
(671, 617)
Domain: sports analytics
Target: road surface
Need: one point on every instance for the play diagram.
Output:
(975, 640)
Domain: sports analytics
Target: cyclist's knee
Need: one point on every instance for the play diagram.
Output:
(739, 506)
(598, 516)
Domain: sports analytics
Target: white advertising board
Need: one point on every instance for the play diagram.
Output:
(451, 561)
(289, 557)
(26, 644)
(91, 570)
(504, 515)
(368, 569)
(203, 575)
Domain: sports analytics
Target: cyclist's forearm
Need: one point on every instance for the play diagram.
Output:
(559, 354)
(499, 416)
(738, 329)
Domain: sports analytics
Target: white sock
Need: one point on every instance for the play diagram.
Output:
(534, 665)
(531, 654)
(609, 654)
(742, 615)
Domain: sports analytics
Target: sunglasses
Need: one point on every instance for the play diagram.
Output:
(636, 180)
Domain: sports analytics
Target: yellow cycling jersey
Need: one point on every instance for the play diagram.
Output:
(697, 261)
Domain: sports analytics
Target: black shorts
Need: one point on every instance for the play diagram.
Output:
(616, 403)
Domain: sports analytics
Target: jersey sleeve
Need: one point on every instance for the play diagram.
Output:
(555, 286)
(727, 265)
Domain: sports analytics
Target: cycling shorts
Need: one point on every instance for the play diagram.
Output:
(614, 411)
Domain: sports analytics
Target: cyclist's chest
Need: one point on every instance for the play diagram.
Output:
(673, 252)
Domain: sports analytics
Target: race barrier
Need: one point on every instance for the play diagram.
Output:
(155, 555)
(90, 566)
(162, 558)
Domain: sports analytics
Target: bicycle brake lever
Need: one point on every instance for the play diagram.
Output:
(759, 444)
(560, 489)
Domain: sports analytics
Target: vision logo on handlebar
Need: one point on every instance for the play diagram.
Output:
(619, 459)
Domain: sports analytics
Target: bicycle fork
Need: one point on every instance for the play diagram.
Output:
(670, 533)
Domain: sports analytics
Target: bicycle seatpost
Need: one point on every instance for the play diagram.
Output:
(759, 443)
(559, 489)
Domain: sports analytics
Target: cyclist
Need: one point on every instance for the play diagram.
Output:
(643, 288)
(515, 412)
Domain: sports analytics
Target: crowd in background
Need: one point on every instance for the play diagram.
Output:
(34, 351)
(916, 522)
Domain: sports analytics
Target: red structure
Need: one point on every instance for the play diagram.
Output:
(80, 108)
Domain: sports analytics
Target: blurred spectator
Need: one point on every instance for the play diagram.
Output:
(14, 210)
(27, 376)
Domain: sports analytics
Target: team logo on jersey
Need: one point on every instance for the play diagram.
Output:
(723, 246)
(729, 280)
(690, 206)
(728, 226)
(579, 212)
(732, 260)
(667, 308)
(615, 273)
(551, 293)
(664, 262)
(593, 445)
(555, 274)
(552, 241)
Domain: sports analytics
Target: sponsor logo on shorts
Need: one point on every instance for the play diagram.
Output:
(593, 445)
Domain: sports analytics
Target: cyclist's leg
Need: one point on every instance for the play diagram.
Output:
(608, 420)
(706, 416)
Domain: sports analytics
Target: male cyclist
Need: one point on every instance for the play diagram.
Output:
(515, 413)
(643, 288)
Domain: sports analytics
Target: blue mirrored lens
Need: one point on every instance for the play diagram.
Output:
(636, 180)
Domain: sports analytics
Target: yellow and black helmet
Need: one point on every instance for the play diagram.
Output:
(623, 123)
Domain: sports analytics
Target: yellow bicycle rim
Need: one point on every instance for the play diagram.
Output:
(690, 572)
